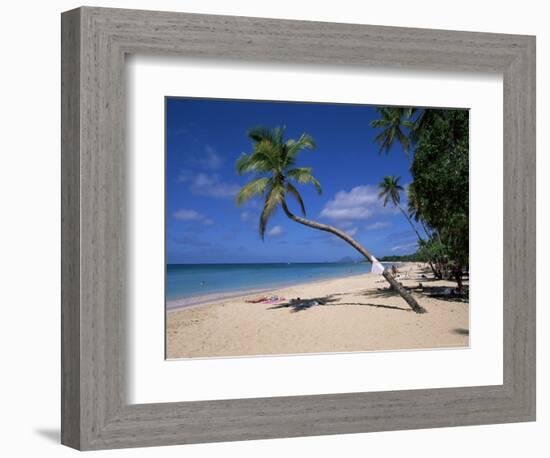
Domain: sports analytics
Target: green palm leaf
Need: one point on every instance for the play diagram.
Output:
(295, 146)
(392, 121)
(259, 133)
(252, 163)
(292, 191)
(303, 176)
(251, 189)
(390, 190)
(273, 199)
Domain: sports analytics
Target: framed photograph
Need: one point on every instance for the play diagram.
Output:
(278, 228)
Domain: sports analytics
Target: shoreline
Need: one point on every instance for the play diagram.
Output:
(204, 299)
(357, 313)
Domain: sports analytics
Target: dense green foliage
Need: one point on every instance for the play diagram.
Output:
(440, 182)
(415, 257)
(438, 197)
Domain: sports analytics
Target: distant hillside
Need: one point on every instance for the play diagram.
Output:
(414, 257)
(346, 260)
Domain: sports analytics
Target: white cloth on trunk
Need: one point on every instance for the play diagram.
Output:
(377, 267)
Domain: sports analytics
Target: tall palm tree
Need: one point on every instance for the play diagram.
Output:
(390, 191)
(273, 160)
(392, 122)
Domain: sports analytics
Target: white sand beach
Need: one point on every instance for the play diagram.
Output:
(357, 313)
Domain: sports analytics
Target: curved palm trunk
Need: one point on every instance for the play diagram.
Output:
(430, 263)
(410, 222)
(425, 228)
(387, 274)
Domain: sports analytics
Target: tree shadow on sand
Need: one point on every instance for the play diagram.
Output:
(444, 293)
(332, 300)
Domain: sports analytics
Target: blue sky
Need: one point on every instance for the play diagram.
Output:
(204, 137)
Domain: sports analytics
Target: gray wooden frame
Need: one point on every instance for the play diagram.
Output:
(95, 413)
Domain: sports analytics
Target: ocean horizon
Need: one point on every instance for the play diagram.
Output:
(185, 281)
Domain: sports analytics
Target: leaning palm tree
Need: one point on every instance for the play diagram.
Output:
(273, 160)
(390, 191)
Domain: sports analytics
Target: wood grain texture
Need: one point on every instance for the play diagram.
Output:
(95, 413)
(70, 229)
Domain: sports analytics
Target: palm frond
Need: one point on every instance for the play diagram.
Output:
(260, 133)
(390, 189)
(395, 196)
(252, 163)
(379, 123)
(291, 190)
(385, 139)
(304, 142)
(251, 189)
(303, 175)
(279, 134)
(391, 121)
(300, 174)
(403, 139)
(269, 152)
(274, 197)
(408, 112)
(293, 147)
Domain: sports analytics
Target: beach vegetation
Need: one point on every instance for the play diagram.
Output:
(438, 196)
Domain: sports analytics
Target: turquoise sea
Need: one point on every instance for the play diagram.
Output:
(184, 281)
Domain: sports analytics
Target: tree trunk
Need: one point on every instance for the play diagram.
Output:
(457, 273)
(434, 271)
(437, 273)
(425, 228)
(409, 299)
(410, 222)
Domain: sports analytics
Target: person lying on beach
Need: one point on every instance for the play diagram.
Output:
(256, 300)
(265, 300)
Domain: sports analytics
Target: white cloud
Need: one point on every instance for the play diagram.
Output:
(208, 184)
(188, 215)
(211, 185)
(361, 202)
(185, 214)
(184, 176)
(405, 247)
(275, 231)
(352, 213)
(207, 159)
(344, 224)
(352, 231)
(376, 226)
(245, 216)
(211, 160)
